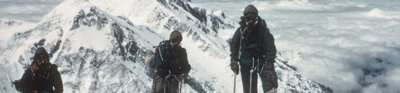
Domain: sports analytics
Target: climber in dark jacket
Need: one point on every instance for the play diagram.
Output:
(171, 65)
(41, 77)
(253, 48)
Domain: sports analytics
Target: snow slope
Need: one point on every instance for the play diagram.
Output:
(10, 26)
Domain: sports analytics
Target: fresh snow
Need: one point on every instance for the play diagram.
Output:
(86, 37)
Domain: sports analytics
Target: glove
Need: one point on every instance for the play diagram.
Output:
(235, 67)
(184, 77)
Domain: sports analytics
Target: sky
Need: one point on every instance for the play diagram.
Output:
(27, 10)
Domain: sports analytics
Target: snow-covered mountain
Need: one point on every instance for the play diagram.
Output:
(99, 46)
(10, 26)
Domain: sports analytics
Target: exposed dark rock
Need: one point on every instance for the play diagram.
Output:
(91, 18)
(200, 14)
(55, 48)
(40, 43)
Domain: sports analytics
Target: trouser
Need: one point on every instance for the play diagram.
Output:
(245, 72)
(168, 85)
(267, 74)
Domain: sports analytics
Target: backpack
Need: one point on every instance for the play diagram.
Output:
(170, 61)
(149, 60)
(264, 33)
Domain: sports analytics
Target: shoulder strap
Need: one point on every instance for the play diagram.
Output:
(161, 48)
(241, 31)
(240, 39)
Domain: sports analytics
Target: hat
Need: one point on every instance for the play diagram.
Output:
(175, 36)
(250, 9)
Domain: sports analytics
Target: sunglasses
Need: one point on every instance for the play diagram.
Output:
(250, 16)
(40, 60)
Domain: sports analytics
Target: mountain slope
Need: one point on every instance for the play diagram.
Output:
(10, 26)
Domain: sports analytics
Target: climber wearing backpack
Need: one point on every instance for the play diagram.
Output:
(170, 64)
(253, 48)
(41, 76)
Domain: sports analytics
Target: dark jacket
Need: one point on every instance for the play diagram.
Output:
(253, 42)
(169, 59)
(46, 79)
(31, 81)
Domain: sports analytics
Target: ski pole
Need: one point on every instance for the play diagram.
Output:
(234, 84)
(182, 84)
